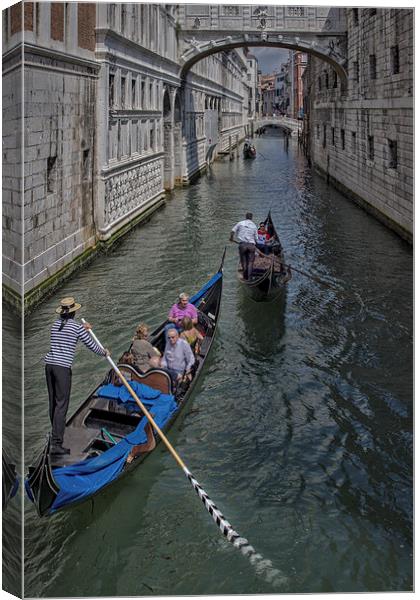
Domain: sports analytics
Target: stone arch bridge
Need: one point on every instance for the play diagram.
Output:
(319, 30)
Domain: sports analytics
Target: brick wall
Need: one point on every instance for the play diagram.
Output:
(86, 20)
(16, 17)
(57, 21)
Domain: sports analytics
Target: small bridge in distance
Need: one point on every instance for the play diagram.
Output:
(292, 126)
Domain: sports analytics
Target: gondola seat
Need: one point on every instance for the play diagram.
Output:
(154, 378)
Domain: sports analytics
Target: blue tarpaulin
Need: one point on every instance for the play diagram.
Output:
(82, 479)
(195, 299)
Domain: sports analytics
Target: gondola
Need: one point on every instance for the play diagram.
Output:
(249, 151)
(10, 481)
(108, 435)
(270, 274)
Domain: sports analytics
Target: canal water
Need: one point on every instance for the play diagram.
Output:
(300, 428)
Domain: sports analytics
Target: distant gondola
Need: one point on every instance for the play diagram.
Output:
(249, 151)
(10, 481)
(108, 435)
(269, 275)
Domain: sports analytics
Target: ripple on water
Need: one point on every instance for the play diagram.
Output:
(300, 428)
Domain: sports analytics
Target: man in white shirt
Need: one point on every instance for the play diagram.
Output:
(247, 235)
(178, 358)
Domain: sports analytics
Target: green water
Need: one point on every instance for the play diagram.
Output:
(300, 428)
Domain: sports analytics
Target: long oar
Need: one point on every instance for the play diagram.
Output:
(262, 566)
(313, 278)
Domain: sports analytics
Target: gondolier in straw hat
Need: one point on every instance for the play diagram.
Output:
(65, 333)
(246, 232)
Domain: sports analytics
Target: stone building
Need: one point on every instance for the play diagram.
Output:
(359, 134)
(108, 127)
(252, 83)
(300, 60)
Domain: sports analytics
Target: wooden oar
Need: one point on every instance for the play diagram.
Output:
(312, 277)
(262, 566)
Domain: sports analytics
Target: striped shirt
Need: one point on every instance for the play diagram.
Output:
(63, 343)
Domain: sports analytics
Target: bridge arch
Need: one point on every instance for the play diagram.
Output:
(329, 50)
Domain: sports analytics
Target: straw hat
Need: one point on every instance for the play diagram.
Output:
(67, 305)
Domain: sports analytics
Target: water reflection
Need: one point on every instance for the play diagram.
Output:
(300, 427)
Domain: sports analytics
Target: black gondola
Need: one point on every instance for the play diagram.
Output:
(10, 481)
(249, 151)
(104, 433)
(270, 274)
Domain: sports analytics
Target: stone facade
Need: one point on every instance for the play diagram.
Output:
(124, 101)
(361, 136)
(109, 126)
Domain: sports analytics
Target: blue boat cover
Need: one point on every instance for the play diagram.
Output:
(195, 299)
(82, 479)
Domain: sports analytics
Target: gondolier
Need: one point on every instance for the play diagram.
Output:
(65, 333)
(247, 234)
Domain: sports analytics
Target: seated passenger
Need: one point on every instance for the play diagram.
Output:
(178, 311)
(264, 239)
(142, 350)
(178, 358)
(191, 335)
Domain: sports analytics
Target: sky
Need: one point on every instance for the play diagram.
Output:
(269, 59)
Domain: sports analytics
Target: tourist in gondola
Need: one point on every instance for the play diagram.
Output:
(191, 335)
(247, 235)
(183, 308)
(65, 333)
(178, 357)
(263, 239)
(142, 350)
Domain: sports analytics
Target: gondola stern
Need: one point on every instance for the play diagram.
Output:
(40, 485)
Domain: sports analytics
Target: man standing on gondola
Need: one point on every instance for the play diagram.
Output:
(65, 333)
(247, 234)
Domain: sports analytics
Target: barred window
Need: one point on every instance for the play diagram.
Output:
(111, 90)
(372, 66)
(333, 136)
(343, 139)
(122, 92)
(324, 139)
(353, 142)
(335, 79)
(355, 16)
(295, 11)
(317, 131)
(370, 148)
(231, 11)
(395, 60)
(392, 154)
(356, 71)
(133, 92)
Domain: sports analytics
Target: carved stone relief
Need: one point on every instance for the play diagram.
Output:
(131, 189)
